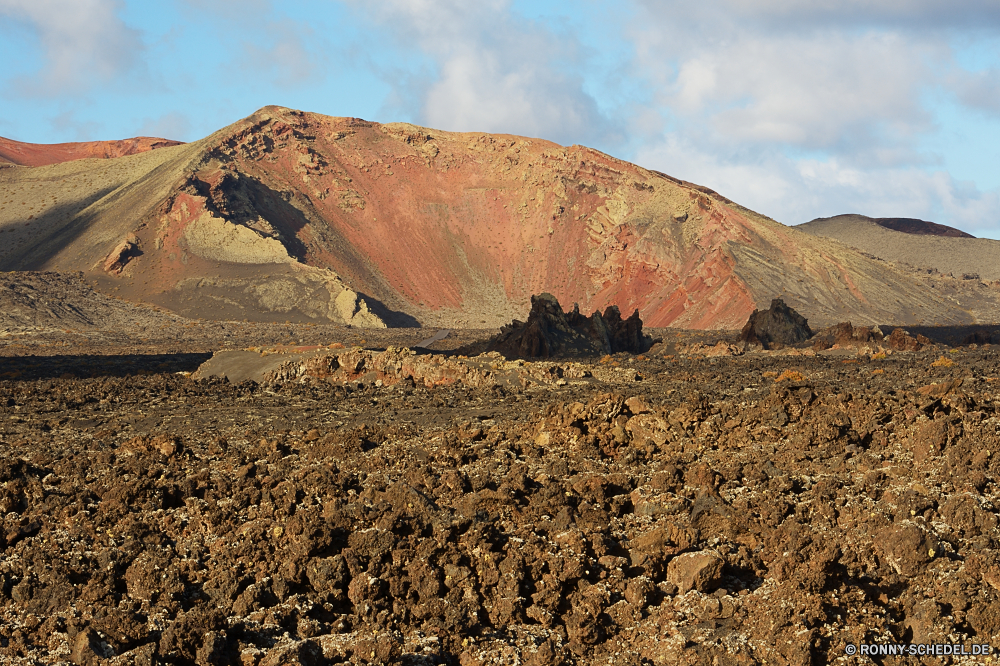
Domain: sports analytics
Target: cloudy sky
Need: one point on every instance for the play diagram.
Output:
(795, 108)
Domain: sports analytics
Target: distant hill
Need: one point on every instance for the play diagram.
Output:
(909, 225)
(286, 215)
(931, 248)
(39, 154)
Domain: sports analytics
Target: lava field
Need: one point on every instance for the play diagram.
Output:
(670, 508)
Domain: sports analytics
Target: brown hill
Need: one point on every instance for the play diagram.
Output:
(291, 215)
(38, 154)
(909, 225)
(976, 258)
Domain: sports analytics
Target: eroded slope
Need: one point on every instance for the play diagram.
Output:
(290, 215)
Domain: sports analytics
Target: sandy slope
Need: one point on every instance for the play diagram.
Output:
(959, 256)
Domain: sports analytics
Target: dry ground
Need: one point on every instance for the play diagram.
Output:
(764, 508)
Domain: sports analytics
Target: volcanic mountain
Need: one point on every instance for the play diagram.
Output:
(914, 242)
(34, 154)
(298, 216)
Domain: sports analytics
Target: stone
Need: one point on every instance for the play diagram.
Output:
(89, 649)
(123, 253)
(777, 327)
(846, 335)
(906, 548)
(901, 340)
(700, 571)
(551, 332)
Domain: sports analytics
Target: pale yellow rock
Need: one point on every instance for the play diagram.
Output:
(216, 239)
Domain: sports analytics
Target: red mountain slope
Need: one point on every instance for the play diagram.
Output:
(301, 216)
(39, 154)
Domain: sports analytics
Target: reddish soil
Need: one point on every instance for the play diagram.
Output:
(41, 154)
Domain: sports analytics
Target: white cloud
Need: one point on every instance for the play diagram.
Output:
(85, 43)
(173, 125)
(826, 90)
(914, 14)
(67, 124)
(496, 71)
(272, 47)
(282, 55)
(794, 191)
(808, 108)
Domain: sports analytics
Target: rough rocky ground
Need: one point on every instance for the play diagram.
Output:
(768, 507)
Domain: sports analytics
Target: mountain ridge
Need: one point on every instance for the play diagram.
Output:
(19, 153)
(287, 214)
(955, 255)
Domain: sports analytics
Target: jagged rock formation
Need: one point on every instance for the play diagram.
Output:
(778, 326)
(288, 216)
(550, 332)
(901, 340)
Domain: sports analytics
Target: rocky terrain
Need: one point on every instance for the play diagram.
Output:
(295, 216)
(929, 247)
(705, 502)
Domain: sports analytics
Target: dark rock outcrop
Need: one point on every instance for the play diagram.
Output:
(550, 332)
(982, 337)
(777, 327)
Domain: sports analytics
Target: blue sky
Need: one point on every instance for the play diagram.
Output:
(795, 108)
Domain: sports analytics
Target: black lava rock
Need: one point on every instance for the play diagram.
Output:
(550, 332)
(777, 327)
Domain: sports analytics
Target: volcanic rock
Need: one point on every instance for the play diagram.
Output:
(695, 571)
(777, 327)
(846, 334)
(320, 522)
(386, 368)
(550, 332)
(901, 340)
(122, 254)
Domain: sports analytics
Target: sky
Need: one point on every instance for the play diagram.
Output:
(797, 109)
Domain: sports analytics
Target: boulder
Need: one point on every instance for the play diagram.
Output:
(700, 571)
(845, 334)
(777, 327)
(550, 332)
(901, 340)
